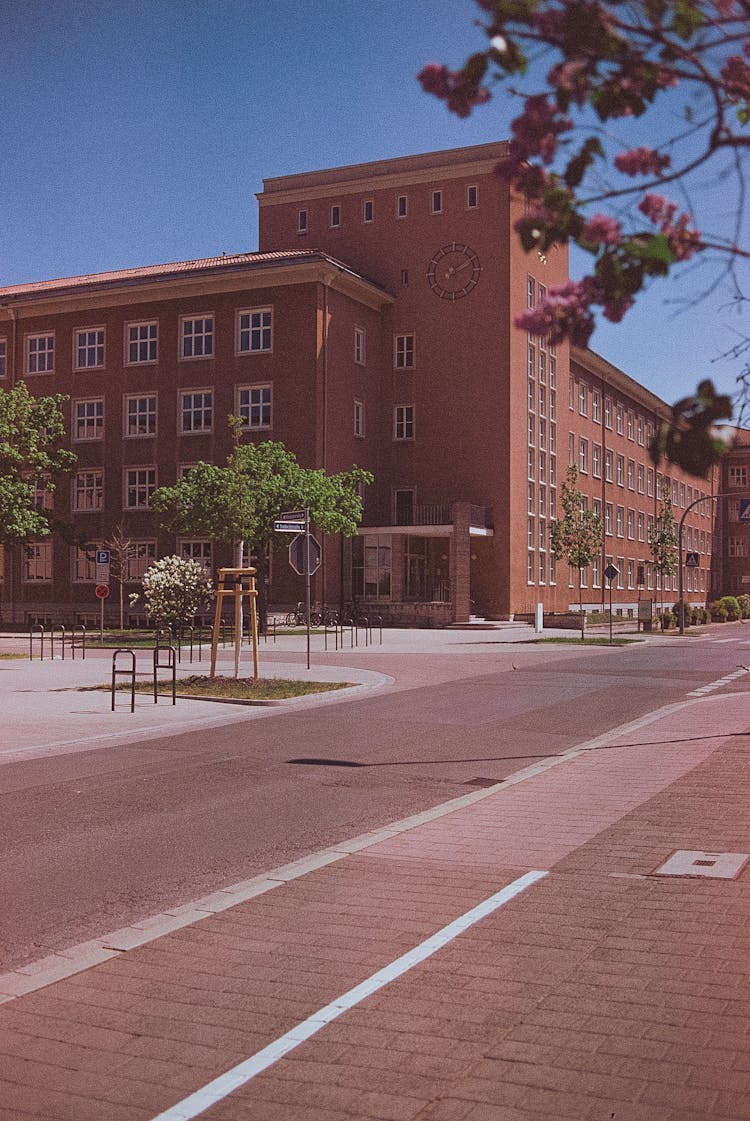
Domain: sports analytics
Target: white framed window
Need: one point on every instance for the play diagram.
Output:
(84, 562)
(404, 352)
(583, 399)
(402, 206)
(196, 410)
(3, 358)
(255, 405)
(641, 478)
(141, 343)
(472, 197)
(37, 563)
(89, 349)
(368, 211)
(88, 489)
(583, 456)
(639, 430)
(359, 418)
(738, 476)
(596, 461)
(40, 354)
(596, 406)
(530, 291)
(631, 425)
(255, 331)
(140, 484)
(359, 345)
(88, 419)
(531, 430)
(335, 217)
(607, 413)
(140, 556)
(621, 471)
(631, 525)
(631, 474)
(608, 512)
(650, 482)
(302, 222)
(197, 337)
(608, 464)
(620, 521)
(596, 579)
(436, 202)
(140, 416)
(200, 550)
(403, 422)
(619, 420)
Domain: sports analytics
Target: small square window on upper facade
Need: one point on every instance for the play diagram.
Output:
(196, 410)
(254, 405)
(404, 352)
(89, 349)
(197, 337)
(255, 331)
(436, 202)
(141, 343)
(368, 211)
(472, 198)
(140, 416)
(88, 419)
(402, 206)
(335, 216)
(302, 225)
(40, 354)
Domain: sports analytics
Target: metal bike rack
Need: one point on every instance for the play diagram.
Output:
(121, 672)
(171, 663)
(32, 632)
(52, 630)
(76, 629)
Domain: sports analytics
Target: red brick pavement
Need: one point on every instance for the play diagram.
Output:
(602, 993)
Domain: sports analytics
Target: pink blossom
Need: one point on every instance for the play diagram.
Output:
(683, 239)
(565, 313)
(453, 87)
(602, 230)
(641, 161)
(615, 309)
(535, 132)
(736, 76)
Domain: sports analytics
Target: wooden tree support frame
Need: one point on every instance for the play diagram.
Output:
(242, 582)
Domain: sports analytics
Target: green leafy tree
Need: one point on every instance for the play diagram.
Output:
(32, 457)
(592, 159)
(576, 537)
(175, 590)
(237, 504)
(663, 539)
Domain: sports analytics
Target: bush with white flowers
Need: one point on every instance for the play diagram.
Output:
(175, 589)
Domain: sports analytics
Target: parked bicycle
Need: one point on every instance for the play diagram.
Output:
(298, 617)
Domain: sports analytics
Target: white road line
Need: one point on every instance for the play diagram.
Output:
(241, 1074)
(713, 685)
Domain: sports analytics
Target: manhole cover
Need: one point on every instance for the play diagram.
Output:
(716, 865)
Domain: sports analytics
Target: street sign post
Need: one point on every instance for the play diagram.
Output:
(101, 591)
(611, 572)
(102, 565)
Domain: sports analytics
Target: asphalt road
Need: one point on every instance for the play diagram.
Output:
(97, 839)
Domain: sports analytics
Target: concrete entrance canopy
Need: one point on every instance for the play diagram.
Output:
(467, 520)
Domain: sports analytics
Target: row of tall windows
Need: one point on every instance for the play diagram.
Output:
(196, 339)
(541, 370)
(38, 557)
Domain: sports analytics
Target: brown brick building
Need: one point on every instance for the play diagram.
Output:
(374, 326)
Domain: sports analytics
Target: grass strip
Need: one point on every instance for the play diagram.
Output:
(236, 688)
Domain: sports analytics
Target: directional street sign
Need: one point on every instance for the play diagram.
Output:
(290, 522)
(745, 509)
(299, 552)
(692, 560)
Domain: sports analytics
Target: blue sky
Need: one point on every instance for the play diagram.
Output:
(138, 131)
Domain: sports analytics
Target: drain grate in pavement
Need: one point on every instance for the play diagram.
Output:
(716, 865)
(483, 781)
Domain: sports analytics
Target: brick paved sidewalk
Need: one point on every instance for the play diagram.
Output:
(602, 992)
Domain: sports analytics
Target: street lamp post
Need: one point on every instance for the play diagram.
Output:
(705, 498)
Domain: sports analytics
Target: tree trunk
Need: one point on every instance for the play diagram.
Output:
(580, 606)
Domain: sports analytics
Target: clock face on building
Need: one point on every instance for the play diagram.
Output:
(453, 271)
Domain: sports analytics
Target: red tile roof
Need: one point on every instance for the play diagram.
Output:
(227, 262)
